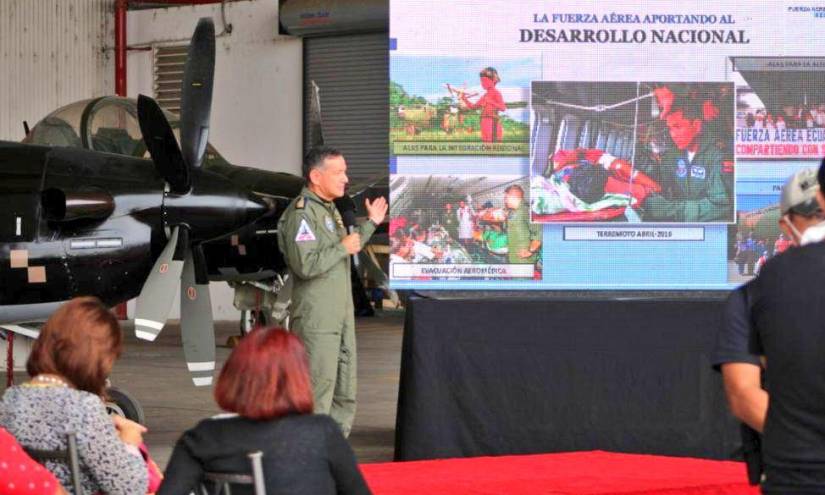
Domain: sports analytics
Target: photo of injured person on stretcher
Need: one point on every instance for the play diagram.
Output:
(632, 152)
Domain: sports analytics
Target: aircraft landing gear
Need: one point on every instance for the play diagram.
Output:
(123, 404)
(262, 304)
(250, 319)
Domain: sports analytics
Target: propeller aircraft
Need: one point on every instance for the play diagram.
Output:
(82, 212)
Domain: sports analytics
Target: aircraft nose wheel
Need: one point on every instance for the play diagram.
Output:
(123, 404)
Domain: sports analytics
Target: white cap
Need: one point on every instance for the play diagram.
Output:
(799, 193)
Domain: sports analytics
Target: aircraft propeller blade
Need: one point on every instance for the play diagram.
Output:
(196, 93)
(158, 292)
(162, 145)
(197, 327)
(316, 129)
(182, 260)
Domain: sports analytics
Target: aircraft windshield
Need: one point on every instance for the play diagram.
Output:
(60, 128)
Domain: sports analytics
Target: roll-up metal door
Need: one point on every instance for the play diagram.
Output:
(352, 73)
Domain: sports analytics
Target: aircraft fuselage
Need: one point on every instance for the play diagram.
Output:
(74, 222)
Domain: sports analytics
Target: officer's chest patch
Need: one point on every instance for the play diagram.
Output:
(681, 168)
(329, 224)
(304, 232)
(697, 172)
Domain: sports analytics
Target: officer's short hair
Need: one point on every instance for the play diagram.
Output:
(315, 158)
(690, 106)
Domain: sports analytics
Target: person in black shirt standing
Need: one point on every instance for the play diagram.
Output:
(735, 355)
(788, 315)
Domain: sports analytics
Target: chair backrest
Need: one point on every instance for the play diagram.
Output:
(67, 455)
(223, 481)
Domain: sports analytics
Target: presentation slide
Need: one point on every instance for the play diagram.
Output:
(586, 145)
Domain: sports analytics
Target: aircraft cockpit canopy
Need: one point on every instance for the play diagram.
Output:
(108, 124)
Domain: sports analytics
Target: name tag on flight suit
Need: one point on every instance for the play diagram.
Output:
(697, 172)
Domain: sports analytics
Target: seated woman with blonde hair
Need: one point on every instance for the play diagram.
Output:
(68, 365)
(265, 384)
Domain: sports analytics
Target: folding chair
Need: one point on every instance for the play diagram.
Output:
(223, 481)
(67, 455)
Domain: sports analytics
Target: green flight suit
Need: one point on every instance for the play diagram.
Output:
(309, 236)
(520, 233)
(450, 224)
(692, 191)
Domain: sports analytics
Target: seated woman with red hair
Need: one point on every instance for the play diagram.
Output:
(265, 385)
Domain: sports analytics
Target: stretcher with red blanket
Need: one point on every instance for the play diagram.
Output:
(554, 199)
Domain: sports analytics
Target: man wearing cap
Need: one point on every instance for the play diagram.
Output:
(802, 218)
(802, 222)
(780, 316)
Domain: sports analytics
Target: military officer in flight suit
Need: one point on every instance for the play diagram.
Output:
(694, 182)
(317, 249)
(523, 237)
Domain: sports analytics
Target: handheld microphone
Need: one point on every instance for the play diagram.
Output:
(346, 207)
(355, 261)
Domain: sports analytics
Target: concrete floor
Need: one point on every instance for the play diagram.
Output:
(155, 374)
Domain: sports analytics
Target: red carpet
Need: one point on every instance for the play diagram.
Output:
(585, 473)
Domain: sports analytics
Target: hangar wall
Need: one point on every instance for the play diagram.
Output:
(52, 52)
(257, 111)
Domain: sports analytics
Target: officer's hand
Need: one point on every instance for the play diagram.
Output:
(653, 202)
(656, 207)
(352, 243)
(377, 210)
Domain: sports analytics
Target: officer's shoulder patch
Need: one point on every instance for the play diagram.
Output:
(305, 233)
(300, 203)
(681, 168)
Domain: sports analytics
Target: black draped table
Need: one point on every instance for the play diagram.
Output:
(500, 376)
